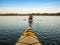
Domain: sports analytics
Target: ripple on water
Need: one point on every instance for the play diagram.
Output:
(47, 31)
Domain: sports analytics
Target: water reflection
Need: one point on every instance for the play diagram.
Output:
(47, 28)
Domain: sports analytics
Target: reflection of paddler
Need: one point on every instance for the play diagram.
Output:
(30, 19)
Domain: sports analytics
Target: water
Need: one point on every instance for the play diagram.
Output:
(46, 28)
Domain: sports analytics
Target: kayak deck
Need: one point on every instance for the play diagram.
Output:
(28, 38)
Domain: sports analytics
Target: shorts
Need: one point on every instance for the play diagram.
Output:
(30, 21)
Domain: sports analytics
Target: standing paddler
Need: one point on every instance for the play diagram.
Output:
(30, 19)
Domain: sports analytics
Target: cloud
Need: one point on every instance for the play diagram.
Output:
(29, 10)
(50, 7)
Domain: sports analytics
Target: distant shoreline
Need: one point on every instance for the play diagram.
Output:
(28, 15)
(34, 14)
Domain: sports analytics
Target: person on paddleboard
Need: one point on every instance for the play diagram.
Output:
(30, 19)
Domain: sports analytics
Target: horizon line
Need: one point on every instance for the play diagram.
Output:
(30, 13)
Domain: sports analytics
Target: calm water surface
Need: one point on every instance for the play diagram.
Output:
(47, 29)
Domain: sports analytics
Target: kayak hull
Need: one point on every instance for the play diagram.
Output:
(28, 38)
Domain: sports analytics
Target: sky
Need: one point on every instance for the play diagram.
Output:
(29, 6)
